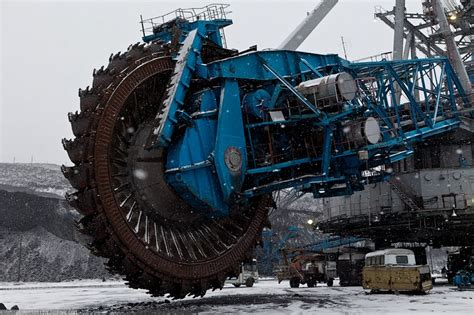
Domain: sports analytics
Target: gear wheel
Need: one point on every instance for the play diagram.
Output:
(135, 219)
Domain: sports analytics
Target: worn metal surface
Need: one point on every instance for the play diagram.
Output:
(302, 31)
(175, 177)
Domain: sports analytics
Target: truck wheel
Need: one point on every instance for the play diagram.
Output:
(237, 285)
(294, 283)
(330, 282)
(249, 282)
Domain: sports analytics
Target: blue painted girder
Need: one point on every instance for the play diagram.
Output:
(197, 166)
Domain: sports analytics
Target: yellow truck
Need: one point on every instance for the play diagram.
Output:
(395, 270)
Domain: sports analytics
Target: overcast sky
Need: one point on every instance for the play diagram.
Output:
(49, 49)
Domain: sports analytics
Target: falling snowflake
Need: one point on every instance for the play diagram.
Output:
(140, 174)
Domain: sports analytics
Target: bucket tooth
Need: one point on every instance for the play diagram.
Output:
(81, 122)
(102, 79)
(134, 52)
(79, 150)
(114, 56)
(117, 62)
(80, 176)
(83, 200)
(88, 102)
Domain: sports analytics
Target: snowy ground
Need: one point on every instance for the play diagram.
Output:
(265, 297)
(42, 179)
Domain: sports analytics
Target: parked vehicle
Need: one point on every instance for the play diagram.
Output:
(349, 268)
(331, 256)
(305, 267)
(460, 260)
(395, 270)
(463, 279)
(247, 275)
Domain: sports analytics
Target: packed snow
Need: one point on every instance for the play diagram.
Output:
(267, 296)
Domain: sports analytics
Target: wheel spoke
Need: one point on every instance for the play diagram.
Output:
(125, 200)
(130, 212)
(137, 227)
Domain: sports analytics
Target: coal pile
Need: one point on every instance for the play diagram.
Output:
(38, 238)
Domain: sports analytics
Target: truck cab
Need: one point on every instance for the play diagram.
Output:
(247, 275)
(301, 266)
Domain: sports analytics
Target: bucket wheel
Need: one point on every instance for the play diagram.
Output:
(134, 218)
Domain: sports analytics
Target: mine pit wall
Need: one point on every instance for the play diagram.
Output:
(439, 176)
(22, 211)
(39, 241)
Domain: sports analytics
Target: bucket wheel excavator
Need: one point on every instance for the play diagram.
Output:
(180, 143)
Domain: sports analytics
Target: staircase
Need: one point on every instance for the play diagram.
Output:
(467, 123)
(407, 200)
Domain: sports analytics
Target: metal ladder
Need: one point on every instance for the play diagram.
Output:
(407, 200)
(467, 123)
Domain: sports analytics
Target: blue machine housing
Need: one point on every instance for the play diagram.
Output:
(240, 126)
(463, 278)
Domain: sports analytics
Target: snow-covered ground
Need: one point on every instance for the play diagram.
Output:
(265, 297)
(71, 295)
(42, 179)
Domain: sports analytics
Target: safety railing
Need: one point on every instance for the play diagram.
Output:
(385, 56)
(209, 12)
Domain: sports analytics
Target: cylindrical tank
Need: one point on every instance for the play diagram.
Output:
(334, 88)
(365, 131)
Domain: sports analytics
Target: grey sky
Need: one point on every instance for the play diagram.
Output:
(48, 51)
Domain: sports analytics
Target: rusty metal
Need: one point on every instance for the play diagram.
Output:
(147, 238)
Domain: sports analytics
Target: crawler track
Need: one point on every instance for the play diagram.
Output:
(148, 233)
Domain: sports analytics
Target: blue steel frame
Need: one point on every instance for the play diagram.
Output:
(430, 97)
(272, 251)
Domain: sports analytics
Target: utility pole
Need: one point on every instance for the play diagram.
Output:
(20, 259)
(344, 47)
